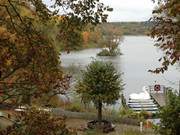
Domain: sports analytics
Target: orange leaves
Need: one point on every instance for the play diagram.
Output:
(86, 36)
(62, 18)
(8, 62)
(4, 33)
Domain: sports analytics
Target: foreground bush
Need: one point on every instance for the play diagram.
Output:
(37, 122)
(170, 116)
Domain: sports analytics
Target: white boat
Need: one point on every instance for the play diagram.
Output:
(142, 106)
(137, 103)
(142, 102)
(145, 109)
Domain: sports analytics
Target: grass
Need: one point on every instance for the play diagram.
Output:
(121, 129)
(75, 107)
(128, 132)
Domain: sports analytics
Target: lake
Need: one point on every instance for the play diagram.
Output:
(139, 55)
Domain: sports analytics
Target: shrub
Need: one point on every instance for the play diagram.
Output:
(75, 107)
(37, 122)
(106, 52)
(170, 116)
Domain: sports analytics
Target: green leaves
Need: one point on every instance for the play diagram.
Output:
(170, 117)
(100, 84)
(100, 81)
(88, 11)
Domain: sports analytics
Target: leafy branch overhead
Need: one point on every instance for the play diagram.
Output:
(166, 31)
(29, 61)
(87, 11)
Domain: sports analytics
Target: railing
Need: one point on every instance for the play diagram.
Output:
(162, 89)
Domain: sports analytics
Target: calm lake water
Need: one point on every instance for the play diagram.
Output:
(139, 55)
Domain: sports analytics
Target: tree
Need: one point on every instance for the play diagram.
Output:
(92, 36)
(166, 31)
(111, 36)
(170, 116)
(100, 84)
(29, 62)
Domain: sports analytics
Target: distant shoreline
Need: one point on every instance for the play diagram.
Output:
(133, 28)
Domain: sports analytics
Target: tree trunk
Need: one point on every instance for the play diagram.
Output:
(99, 111)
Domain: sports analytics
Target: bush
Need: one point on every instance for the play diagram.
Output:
(44, 101)
(106, 52)
(75, 107)
(37, 122)
(170, 116)
(127, 113)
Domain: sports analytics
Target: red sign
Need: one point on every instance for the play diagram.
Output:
(157, 87)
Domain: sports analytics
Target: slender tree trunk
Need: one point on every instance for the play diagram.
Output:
(99, 111)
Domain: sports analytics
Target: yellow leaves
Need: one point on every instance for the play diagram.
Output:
(4, 34)
(13, 38)
(62, 18)
(26, 11)
(8, 62)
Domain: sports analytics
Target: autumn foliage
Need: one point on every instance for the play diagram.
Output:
(29, 61)
(166, 31)
(30, 66)
(38, 122)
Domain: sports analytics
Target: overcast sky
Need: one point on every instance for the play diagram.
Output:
(128, 10)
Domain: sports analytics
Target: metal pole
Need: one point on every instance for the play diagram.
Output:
(141, 127)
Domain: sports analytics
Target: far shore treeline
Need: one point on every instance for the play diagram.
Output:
(134, 28)
(100, 35)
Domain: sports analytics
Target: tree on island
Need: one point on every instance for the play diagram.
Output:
(111, 37)
(100, 84)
